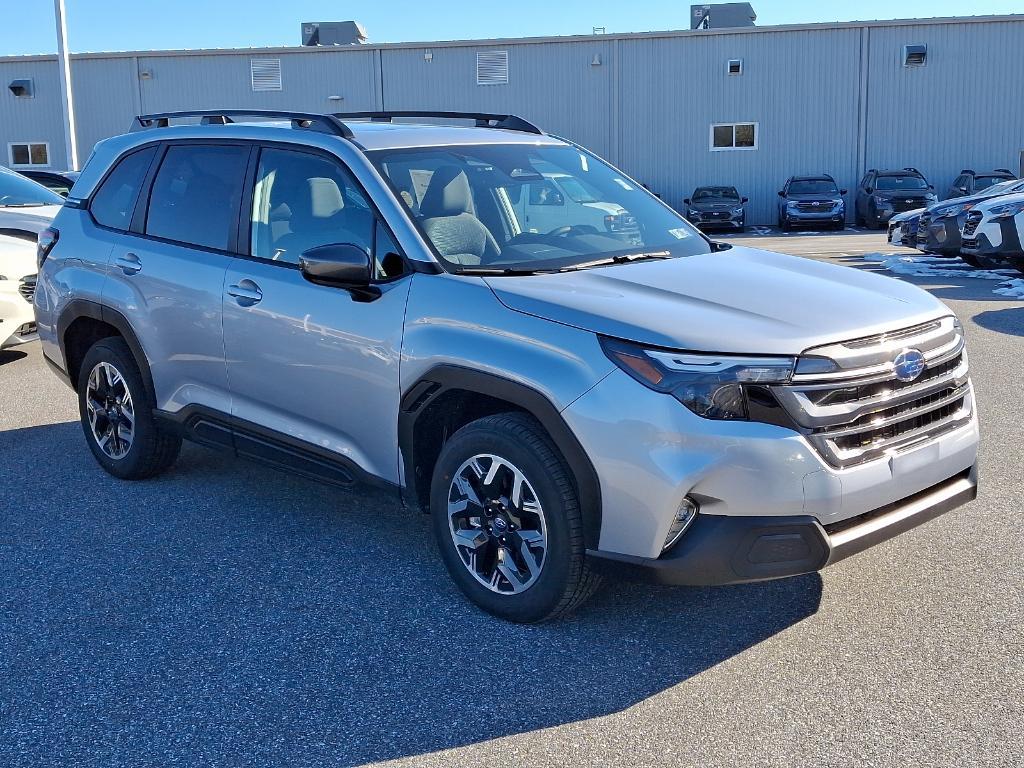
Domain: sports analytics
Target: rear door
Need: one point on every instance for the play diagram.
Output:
(167, 278)
(313, 369)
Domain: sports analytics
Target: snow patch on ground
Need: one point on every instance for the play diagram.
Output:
(1013, 289)
(935, 266)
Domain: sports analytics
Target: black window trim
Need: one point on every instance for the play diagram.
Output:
(141, 212)
(243, 234)
(87, 202)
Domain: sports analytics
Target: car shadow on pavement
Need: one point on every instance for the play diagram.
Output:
(10, 355)
(1009, 321)
(226, 613)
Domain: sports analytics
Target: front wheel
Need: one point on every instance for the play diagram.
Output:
(117, 414)
(507, 520)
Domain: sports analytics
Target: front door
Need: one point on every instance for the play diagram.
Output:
(315, 366)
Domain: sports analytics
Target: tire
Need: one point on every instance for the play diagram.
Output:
(134, 448)
(562, 579)
(971, 259)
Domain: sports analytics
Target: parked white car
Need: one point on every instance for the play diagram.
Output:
(995, 228)
(17, 287)
(26, 208)
(903, 227)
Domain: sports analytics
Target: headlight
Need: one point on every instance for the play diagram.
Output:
(791, 204)
(737, 211)
(838, 203)
(932, 197)
(953, 210)
(712, 386)
(1006, 211)
(883, 202)
(693, 214)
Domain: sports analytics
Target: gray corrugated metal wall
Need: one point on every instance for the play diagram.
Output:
(829, 98)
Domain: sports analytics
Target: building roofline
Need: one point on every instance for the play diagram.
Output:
(482, 42)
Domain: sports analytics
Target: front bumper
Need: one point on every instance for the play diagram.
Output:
(994, 238)
(708, 222)
(940, 236)
(721, 550)
(17, 319)
(797, 217)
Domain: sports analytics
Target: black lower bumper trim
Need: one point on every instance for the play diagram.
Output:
(721, 550)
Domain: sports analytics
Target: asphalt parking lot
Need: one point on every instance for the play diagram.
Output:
(225, 614)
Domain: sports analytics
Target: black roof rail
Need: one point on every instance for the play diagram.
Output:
(912, 169)
(308, 120)
(966, 170)
(1004, 170)
(482, 119)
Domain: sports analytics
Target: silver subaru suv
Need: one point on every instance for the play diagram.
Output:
(571, 381)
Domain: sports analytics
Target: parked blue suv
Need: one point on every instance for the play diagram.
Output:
(814, 201)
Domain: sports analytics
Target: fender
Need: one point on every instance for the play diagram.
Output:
(79, 308)
(445, 378)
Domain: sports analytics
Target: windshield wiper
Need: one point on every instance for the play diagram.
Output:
(626, 258)
(21, 205)
(505, 271)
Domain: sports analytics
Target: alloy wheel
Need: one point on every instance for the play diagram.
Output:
(497, 524)
(111, 411)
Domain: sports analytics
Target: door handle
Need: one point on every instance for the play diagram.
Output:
(246, 293)
(129, 263)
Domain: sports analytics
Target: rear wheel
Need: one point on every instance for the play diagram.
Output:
(117, 414)
(508, 522)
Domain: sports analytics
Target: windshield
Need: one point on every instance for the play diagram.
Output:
(715, 193)
(813, 187)
(17, 191)
(984, 182)
(522, 207)
(900, 182)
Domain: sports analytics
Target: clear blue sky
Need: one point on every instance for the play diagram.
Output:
(113, 25)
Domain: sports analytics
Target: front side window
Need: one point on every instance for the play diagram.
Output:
(733, 136)
(18, 192)
(196, 193)
(114, 202)
(907, 182)
(812, 187)
(302, 200)
(523, 207)
(984, 182)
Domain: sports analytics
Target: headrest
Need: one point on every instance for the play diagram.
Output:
(447, 194)
(324, 198)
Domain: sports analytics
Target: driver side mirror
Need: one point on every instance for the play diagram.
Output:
(869, 190)
(744, 199)
(686, 200)
(340, 265)
(843, 191)
(781, 193)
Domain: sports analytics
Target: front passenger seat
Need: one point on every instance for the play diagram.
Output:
(449, 222)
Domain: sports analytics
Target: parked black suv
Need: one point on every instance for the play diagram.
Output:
(882, 194)
(812, 200)
(972, 182)
(716, 208)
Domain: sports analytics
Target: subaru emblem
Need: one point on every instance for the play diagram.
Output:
(909, 364)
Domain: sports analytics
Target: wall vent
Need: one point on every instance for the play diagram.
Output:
(735, 67)
(266, 74)
(491, 67)
(915, 55)
(22, 89)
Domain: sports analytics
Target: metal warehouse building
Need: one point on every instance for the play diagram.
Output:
(746, 106)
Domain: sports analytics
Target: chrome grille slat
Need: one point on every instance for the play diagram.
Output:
(27, 288)
(862, 412)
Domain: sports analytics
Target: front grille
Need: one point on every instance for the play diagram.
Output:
(970, 244)
(814, 206)
(901, 204)
(27, 288)
(973, 220)
(863, 412)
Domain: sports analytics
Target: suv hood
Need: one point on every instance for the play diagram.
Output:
(736, 301)
(30, 220)
(17, 258)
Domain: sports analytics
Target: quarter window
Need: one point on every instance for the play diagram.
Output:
(29, 154)
(302, 200)
(726, 136)
(114, 202)
(195, 194)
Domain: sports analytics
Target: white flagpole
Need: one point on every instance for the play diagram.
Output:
(67, 100)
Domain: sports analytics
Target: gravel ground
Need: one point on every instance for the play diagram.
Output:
(225, 614)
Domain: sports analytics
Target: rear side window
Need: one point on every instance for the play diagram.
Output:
(114, 201)
(196, 194)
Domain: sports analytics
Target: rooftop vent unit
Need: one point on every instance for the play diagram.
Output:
(722, 16)
(915, 55)
(333, 33)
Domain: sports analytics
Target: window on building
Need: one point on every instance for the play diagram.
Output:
(28, 154)
(195, 194)
(734, 136)
(114, 202)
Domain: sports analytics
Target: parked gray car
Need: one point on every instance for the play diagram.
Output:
(356, 299)
(711, 208)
